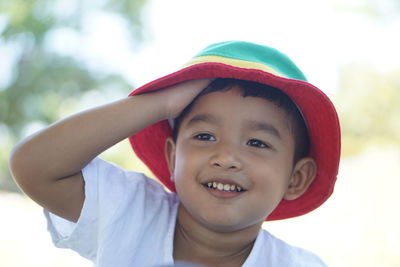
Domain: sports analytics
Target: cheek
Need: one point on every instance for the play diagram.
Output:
(272, 179)
(187, 162)
(181, 160)
(187, 154)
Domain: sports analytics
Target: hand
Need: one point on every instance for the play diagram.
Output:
(178, 96)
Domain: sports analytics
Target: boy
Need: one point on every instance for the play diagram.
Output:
(257, 143)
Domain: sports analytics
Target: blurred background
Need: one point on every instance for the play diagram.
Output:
(58, 57)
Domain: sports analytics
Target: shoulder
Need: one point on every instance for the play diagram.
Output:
(101, 173)
(272, 251)
(118, 190)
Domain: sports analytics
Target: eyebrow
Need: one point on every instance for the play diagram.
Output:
(250, 124)
(262, 126)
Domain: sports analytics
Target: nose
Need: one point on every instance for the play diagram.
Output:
(226, 157)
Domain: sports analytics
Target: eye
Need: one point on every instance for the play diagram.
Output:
(204, 137)
(257, 143)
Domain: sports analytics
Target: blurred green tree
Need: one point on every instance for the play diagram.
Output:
(42, 80)
(368, 104)
(368, 98)
(375, 9)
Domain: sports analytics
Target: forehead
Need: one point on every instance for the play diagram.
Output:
(229, 106)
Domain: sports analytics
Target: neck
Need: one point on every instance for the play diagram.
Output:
(196, 243)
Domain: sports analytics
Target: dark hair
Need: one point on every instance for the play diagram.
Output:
(296, 122)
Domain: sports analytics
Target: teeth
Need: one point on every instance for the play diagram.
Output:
(224, 187)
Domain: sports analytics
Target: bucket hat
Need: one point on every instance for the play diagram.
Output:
(266, 65)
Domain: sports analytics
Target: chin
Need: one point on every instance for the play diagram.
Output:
(224, 224)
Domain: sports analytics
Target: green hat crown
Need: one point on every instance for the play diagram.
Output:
(252, 54)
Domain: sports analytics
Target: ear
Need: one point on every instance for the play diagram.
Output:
(302, 176)
(170, 149)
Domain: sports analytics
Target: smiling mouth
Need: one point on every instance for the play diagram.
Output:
(224, 187)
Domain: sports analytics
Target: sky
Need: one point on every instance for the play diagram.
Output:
(320, 36)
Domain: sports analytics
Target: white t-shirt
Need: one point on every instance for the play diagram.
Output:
(129, 219)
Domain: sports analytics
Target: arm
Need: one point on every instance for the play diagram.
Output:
(47, 166)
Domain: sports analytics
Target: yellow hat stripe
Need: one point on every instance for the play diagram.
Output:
(233, 62)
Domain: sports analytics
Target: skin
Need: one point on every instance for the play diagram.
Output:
(54, 179)
(237, 140)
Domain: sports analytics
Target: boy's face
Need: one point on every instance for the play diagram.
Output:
(232, 142)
